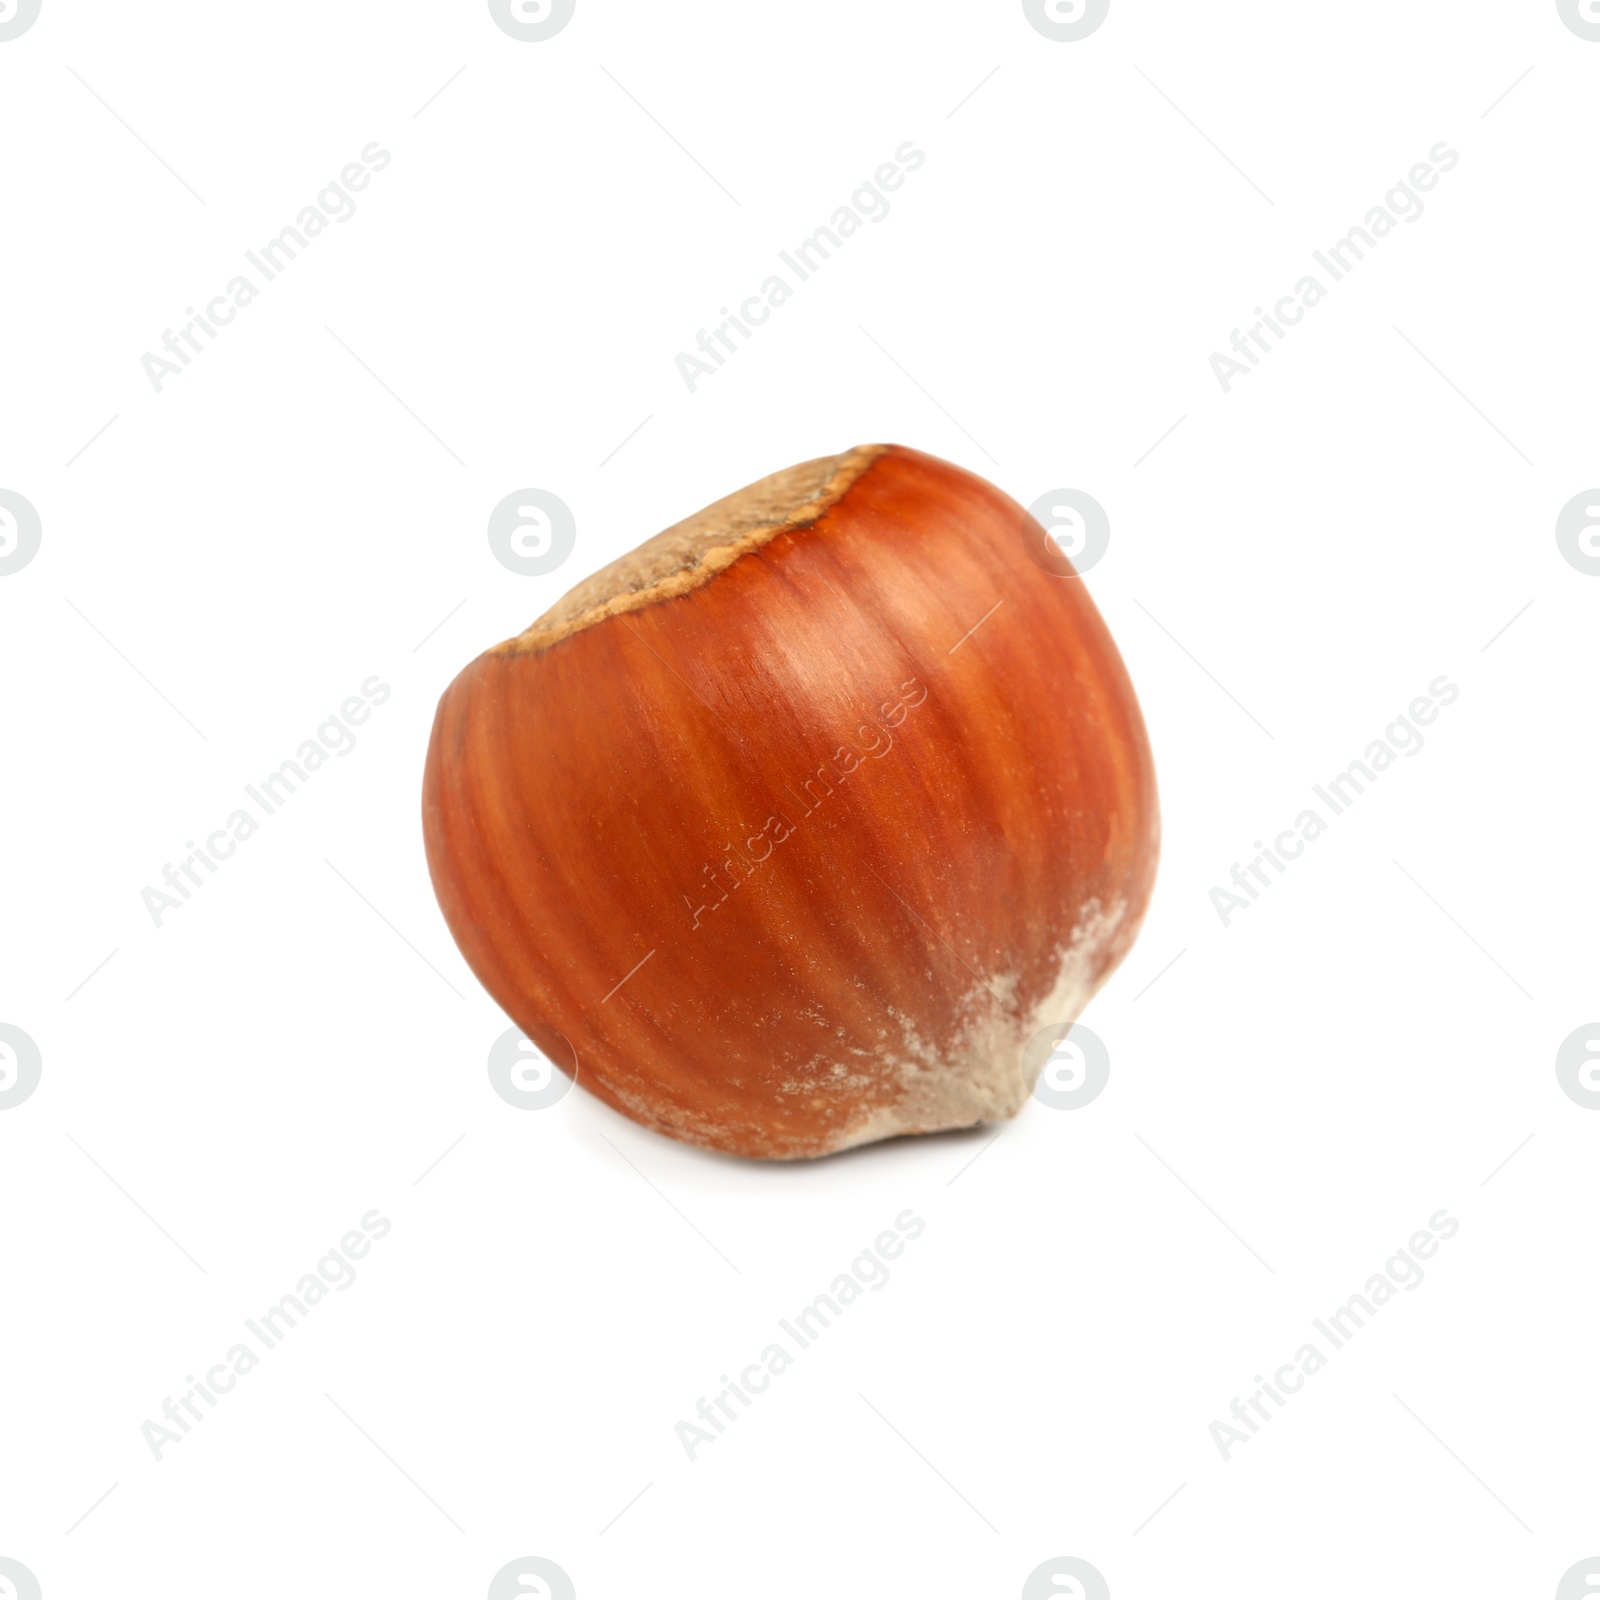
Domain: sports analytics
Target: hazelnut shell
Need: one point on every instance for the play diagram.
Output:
(794, 828)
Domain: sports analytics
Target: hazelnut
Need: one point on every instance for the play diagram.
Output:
(793, 827)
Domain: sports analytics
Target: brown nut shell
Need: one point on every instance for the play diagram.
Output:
(794, 827)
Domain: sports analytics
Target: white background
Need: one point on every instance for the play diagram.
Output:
(1290, 1098)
